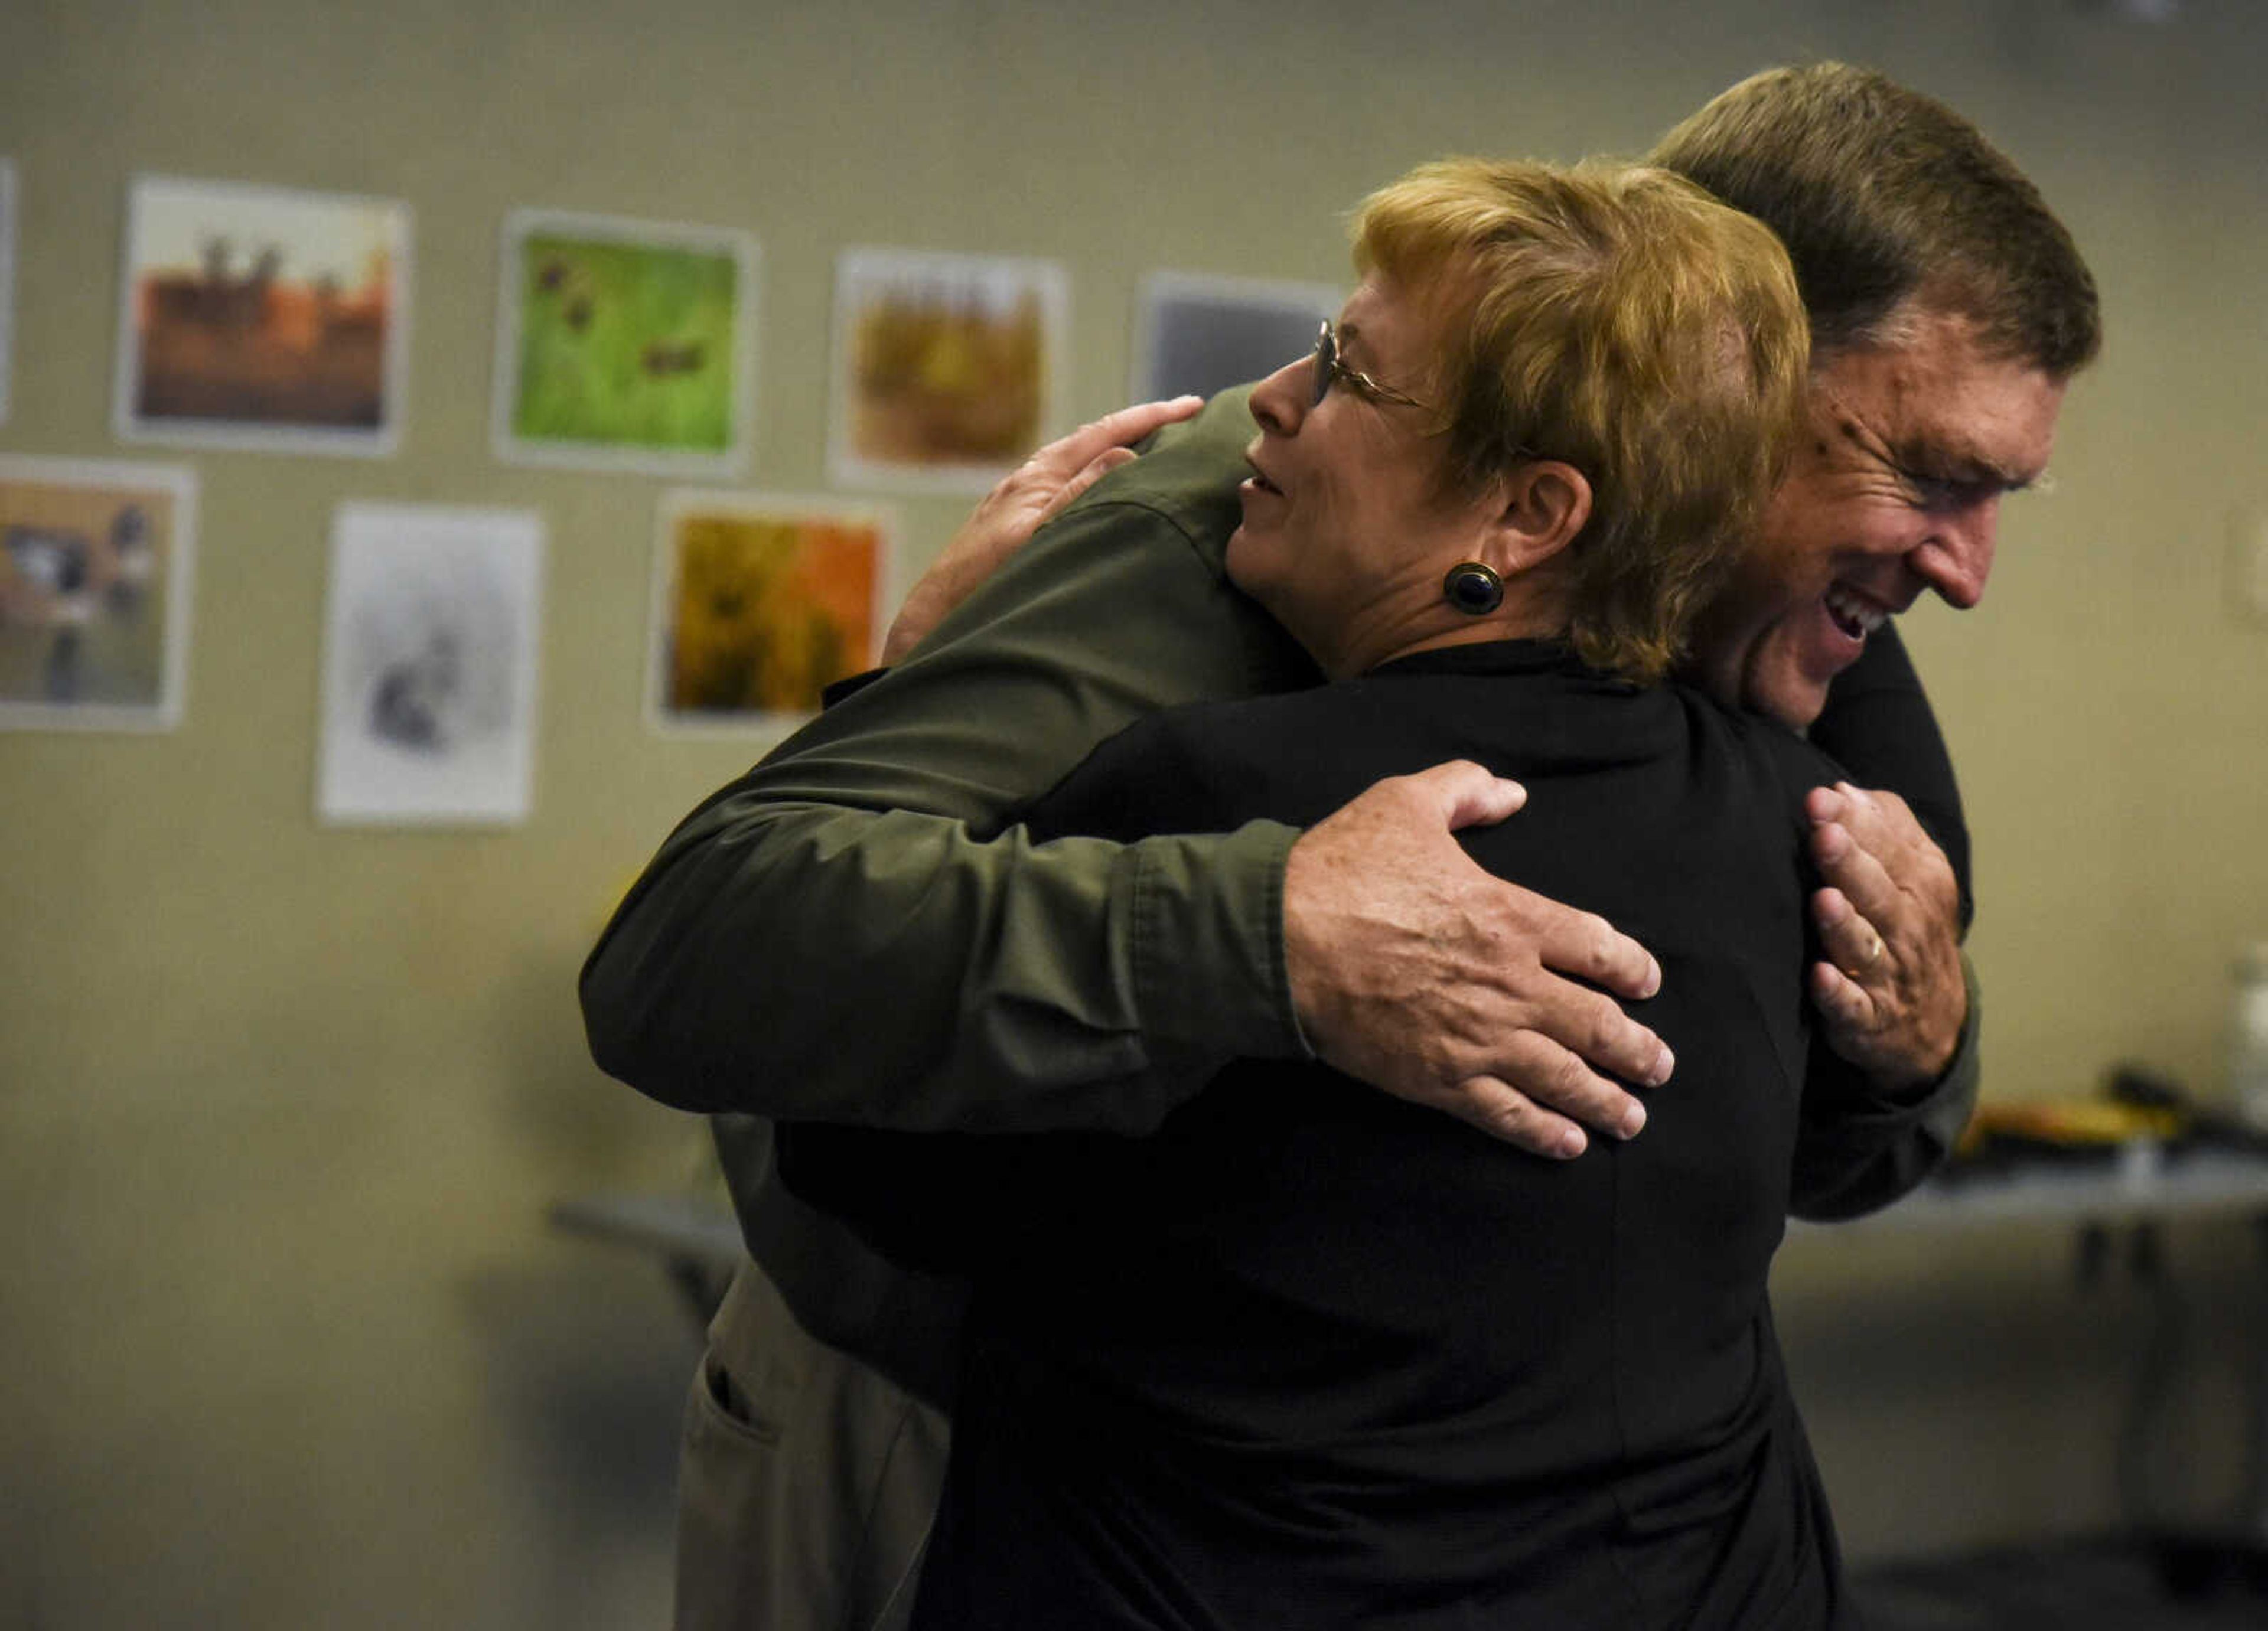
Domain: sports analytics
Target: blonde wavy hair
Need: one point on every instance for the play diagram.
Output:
(1620, 320)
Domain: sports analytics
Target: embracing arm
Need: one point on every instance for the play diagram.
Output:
(1859, 1147)
(853, 932)
(1895, 1069)
(848, 932)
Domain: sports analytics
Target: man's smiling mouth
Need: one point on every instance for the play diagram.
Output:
(1854, 614)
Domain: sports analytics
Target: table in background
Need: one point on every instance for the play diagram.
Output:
(2138, 1188)
(2137, 1184)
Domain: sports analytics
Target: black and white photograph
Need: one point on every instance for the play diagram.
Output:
(430, 665)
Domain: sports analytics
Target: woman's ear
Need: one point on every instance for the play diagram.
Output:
(1545, 504)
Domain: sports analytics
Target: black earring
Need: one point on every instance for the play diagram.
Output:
(1473, 589)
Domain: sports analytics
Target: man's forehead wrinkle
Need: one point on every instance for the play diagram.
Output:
(1951, 456)
(1992, 449)
(1930, 448)
(1852, 425)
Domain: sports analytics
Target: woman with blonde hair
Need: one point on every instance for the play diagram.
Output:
(1311, 1356)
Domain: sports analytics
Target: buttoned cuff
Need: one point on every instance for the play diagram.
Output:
(1208, 944)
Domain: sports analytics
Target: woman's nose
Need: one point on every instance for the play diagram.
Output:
(1281, 402)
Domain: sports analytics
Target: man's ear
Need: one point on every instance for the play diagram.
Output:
(1543, 506)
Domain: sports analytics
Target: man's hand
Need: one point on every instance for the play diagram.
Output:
(1891, 993)
(1006, 517)
(1417, 972)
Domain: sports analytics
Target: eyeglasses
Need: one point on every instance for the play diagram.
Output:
(1330, 367)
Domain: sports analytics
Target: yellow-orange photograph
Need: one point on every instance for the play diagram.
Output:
(946, 367)
(760, 604)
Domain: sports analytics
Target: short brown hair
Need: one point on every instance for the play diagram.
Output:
(1885, 196)
(1620, 320)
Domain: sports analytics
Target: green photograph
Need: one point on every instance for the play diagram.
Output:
(625, 345)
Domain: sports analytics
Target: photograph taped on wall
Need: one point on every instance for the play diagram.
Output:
(625, 345)
(97, 560)
(7, 281)
(760, 603)
(262, 317)
(947, 367)
(1198, 335)
(430, 665)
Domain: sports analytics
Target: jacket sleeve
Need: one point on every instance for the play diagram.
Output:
(1857, 1151)
(854, 932)
(954, 1202)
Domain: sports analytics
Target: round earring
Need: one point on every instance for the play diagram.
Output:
(1473, 589)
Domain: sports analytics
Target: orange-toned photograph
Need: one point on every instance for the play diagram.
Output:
(946, 366)
(761, 602)
(254, 317)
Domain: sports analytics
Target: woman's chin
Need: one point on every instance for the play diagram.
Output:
(1246, 560)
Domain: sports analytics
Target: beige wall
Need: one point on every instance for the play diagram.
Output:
(283, 1339)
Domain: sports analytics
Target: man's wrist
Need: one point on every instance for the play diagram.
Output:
(1208, 943)
(1959, 1058)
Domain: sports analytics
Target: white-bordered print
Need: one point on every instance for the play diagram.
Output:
(948, 369)
(759, 601)
(262, 317)
(429, 690)
(625, 345)
(98, 563)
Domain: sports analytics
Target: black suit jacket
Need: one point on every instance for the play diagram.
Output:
(1331, 1358)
